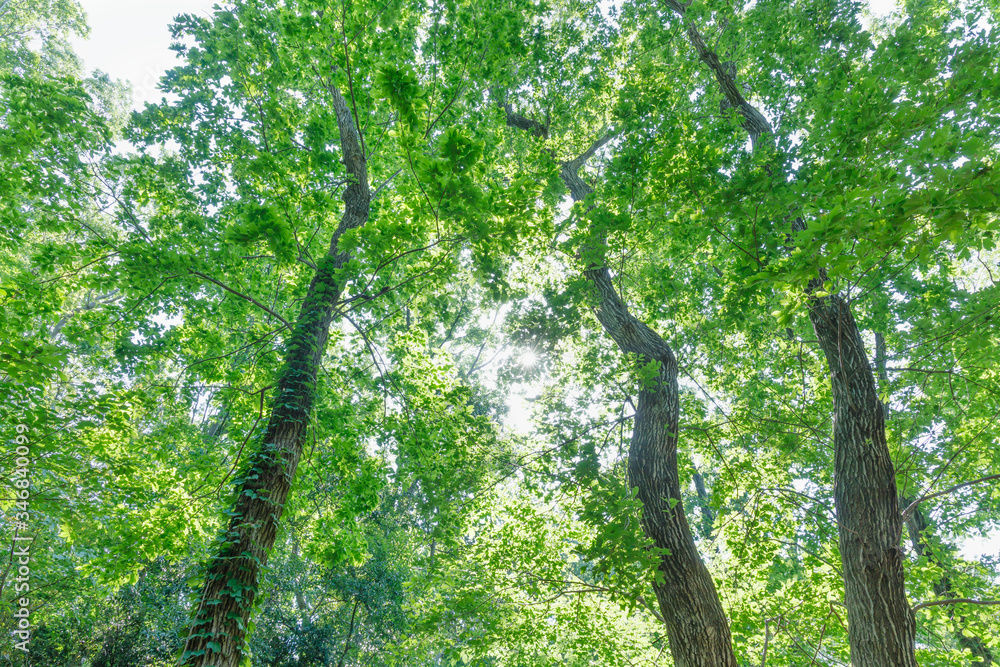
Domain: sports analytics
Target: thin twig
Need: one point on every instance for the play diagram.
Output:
(937, 603)
(244, 296)
(909, 510)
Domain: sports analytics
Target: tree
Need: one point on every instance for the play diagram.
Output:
(689, 604)
(866, 496)
(445, 315)
(292, 135)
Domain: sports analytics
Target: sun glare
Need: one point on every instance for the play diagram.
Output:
(528, 359)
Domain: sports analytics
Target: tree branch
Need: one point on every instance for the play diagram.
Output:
(579, 161)
(518, 121)
(938, 603)
(350, 633)
(912, 506)
(754, 121)
(385, 183)
(920, 370)
(244, 296)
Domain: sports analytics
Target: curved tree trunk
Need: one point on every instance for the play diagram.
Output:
(696, 624)
(689, 603)
(219, 626)
(697, 628)
(881, 625)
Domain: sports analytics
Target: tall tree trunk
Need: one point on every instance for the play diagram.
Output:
(696, 624)
(219, 626)
(697, 628)
(881, 625)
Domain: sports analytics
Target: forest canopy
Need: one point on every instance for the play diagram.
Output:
(504, 333)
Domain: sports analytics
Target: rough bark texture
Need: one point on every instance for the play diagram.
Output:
(919, 530)
(704, 504)
(696, 624)
(689, 603)
(217, 632)
(881, 625)
(725, 75)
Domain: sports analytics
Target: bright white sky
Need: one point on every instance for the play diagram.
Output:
(130, 40)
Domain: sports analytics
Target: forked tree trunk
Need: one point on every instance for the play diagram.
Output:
(696, 624)
(881, 625)
(230, 588)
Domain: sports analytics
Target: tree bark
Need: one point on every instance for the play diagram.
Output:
(230, 588)
(881, 625)
(697, 628)
(696, 624)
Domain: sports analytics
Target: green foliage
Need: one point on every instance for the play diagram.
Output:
(401, 88)
(256, 222)
(462, 497)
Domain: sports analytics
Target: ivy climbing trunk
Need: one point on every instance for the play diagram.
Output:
(696, 624)
(230, 589)
(881, 625)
